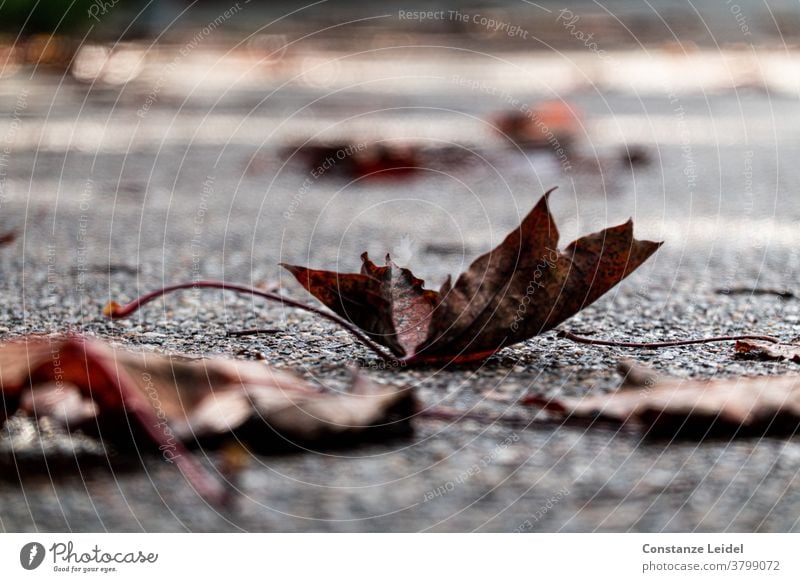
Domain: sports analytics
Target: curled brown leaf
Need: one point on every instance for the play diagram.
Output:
(522, 288)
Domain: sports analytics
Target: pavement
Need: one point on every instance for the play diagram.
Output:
(109, 203)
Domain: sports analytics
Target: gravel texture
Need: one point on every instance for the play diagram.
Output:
(180, 194)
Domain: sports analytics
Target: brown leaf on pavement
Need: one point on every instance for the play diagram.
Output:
(550, 125)
(520, 289)
(172, 402)
(762, 350)
(671, 407)
(374, 161)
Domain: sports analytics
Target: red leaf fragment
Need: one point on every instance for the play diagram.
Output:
(170, 402)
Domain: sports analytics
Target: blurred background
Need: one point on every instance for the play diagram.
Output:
(624, 105)
(145, 143)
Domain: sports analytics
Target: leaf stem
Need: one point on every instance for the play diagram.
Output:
(747, 291)
(117, 311)
(654, 345)
(254, 331)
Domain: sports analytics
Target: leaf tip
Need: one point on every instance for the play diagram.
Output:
(544, 202)
(650, 246)
(629, 225)
(549, 192)
(293, 269)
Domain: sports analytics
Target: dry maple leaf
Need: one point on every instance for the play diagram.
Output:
(520, 289)
(171, 401)
(672, 407)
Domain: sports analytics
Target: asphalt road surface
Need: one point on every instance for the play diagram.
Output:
(111, 200)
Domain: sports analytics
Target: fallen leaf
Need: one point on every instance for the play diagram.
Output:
(762, 350)
(172, 402)
(671, 407)
(7, 238)
(359, 160)
(378, 160)
(552, 124)
(520, 289)
(635, 155)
